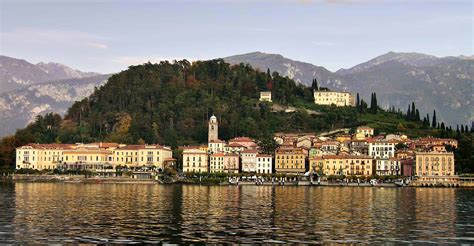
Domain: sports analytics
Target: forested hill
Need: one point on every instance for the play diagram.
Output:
(171, 103)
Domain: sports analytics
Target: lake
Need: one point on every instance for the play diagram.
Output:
(128, 213)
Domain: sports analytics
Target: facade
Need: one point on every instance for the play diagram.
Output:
(195, 160)
(40, 156)
(246, 142)
(342, 165)
(213, 134)
(264, 163)
(437, 162)
(382, 149)
(266, 96)
(365, 130)
(290, 160)
(339, 99)
(141, 156)
(92, 159)
(216, 146)
(216, 163)
(231, 163)
(249, 160)
(391, 166)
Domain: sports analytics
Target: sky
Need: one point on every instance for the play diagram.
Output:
(109, 35)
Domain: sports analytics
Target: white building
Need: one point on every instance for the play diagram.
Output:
(264, 163)
(382, 149)
(365, 130)
(249, 160)
(390, 166)
(333, 97)
(216, 146)
(266, 96)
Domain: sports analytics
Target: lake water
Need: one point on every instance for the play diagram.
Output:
(127, 213)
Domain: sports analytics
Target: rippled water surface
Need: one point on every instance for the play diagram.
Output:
(101, 213)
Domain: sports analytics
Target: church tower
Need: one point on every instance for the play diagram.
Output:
(213, 129)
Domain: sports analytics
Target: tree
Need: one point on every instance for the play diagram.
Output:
(408, 113)
(314, 85)
(433, 122)
(358, 100)
(417, 115)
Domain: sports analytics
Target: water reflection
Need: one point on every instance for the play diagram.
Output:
(59, 213)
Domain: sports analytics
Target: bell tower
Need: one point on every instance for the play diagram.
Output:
(213, 129)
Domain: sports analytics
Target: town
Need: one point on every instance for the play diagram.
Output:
(359, 154)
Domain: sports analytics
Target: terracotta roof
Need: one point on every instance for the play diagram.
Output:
(217, 154)
(343, 157)
(249, 151)
(217, 141)
(242, 139)
(51, 146)
(137, 147)
(235, 145)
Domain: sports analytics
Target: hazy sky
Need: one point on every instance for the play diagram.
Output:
(107, 36)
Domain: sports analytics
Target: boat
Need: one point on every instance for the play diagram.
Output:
(401, 182)
(233, 181)
(373, 182)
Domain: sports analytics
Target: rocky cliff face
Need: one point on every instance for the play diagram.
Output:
(21, 106)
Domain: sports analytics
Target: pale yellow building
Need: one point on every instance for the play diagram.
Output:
(84, 158)
(266, 96)
(216, 163)
(40, 156)
(365, 131)
(437, 162)
(342, 165)
(333, 97)
(290, 160)
(195, 160)
(141, 155)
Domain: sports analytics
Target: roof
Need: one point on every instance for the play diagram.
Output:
(217, 154)
(264, 155)
(141, 146)
(50, 146)
(242, 139)
(217, 141)
(249, 151)
(235, 145)
(365, 128)
(342, 157)
(106, 145)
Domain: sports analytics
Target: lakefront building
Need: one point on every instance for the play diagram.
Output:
(436, 162)
(264, 163)
(195, 160)
(290, 160)
(338, 99)
(348, 165)
(40, 156)
(141, 155)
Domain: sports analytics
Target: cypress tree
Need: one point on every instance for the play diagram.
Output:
(408, 113)
(314, 85)
(417, 115)
(462, 128)
(427, 120)
(442, 126)
(433, 122)
(358, 100)
(457, 129)
(413, 109)
(375, 104)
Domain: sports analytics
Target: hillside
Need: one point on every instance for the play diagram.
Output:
(445, 84)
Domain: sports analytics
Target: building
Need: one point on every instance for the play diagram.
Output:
(216, 146)
(216, 163)
(436, 162)
(141, 156)
(348, 165)
(40, 156)
(249, 160)
(266, 96)
(195, 160)
(213, 134)
(246, 142)
(290, 160)
(385, 167)
(333, 97)
(365, 131)
(87, 158)
(382, 149)
(429, 141)
(264, 163)
(231, 163)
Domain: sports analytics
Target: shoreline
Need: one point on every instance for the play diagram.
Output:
(81, 179)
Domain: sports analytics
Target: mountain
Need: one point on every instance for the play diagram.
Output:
(17, 73)
(21, 106)
(445, 84)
